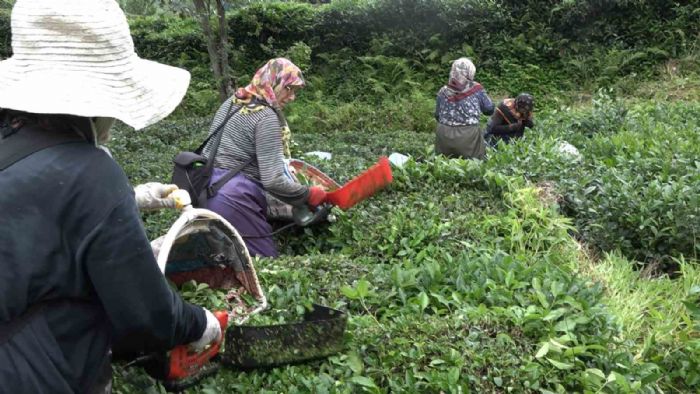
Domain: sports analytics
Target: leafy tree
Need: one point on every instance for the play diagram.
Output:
(206, 12)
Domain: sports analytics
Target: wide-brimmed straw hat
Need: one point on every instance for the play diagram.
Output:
(77, 57)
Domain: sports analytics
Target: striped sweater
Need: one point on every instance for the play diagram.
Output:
(255, 131)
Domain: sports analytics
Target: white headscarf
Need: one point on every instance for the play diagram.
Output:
(461, 74)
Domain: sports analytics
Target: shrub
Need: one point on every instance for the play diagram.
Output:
(636, 187)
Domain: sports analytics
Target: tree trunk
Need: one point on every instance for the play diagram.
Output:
(226, 82)
(216, 46)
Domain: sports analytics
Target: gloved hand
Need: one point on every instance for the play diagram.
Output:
(317, 196)
(211, 334)
(154, 195)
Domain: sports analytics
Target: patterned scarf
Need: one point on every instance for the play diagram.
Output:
(266, 85)
(473, 88)
(270, 80)
(461, 77)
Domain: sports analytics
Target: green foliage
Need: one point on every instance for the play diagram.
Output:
(463, 275)
(669, 307)
(264, 30)
(407, 114)
(140, 7)
(636, 187)
(203, 295)
(364, 50)
(299, 54)
(5, 34)
(174, 40)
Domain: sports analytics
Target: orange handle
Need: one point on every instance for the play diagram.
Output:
(185, 363)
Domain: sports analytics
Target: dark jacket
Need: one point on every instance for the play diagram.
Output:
(70, 235)
(504, 126)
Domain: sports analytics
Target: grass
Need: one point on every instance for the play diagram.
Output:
(645, 306)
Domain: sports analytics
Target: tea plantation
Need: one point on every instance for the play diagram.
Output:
(532, 271)
(536, 270)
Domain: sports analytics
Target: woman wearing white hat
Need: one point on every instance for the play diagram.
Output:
(76, 268)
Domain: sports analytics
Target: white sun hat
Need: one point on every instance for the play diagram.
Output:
(77, 57)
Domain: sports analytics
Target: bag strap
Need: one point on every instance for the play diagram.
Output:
(229, 114)
(28, 140)
(503, 109)
(214, 188)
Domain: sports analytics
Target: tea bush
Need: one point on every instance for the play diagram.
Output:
(636, 186)
(464, 275)
(460, 277)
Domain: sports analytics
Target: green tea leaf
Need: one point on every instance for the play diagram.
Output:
(559, 364)
(363, 381)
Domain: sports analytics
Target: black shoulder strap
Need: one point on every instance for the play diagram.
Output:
(507, 115)
(29, 140)
(229, 114)
(214, 188)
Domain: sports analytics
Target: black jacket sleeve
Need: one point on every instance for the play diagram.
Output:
(499, 126)
(145, 313)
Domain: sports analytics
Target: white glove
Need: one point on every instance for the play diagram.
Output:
(212, 333)
(154, 195)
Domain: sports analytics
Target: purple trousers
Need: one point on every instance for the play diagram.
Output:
(242, 202)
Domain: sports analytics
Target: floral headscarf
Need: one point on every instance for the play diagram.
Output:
(270, 79)
(461, 84)
(461, 74)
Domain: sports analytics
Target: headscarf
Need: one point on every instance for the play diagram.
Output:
(525, 101)
(269, 81)
(461, 74)
(461, 84)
